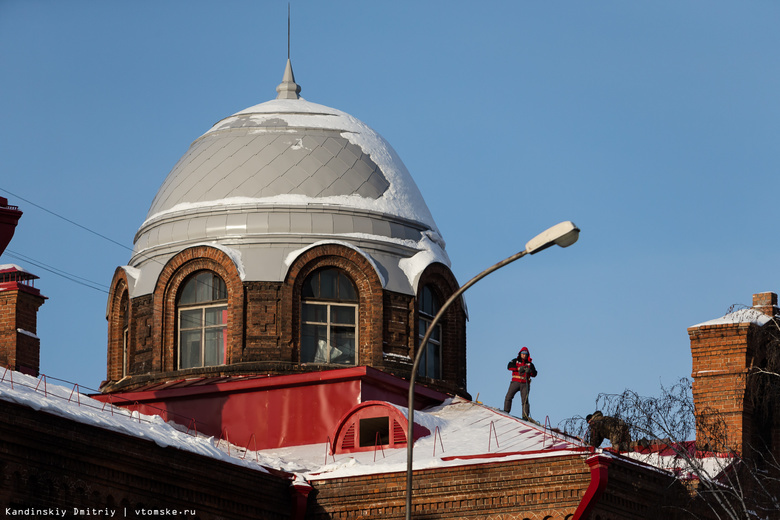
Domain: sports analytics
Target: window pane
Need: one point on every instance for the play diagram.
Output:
(328, 281)
(204, 287)
(342, 315)
(214, 316)
(219, 291)
(429, 303)
(310, 287)
(422, 370)
(342, 349)
(189, 347)
(188, 292)
(434, 361)
(346, 289)
(313, 312)
(191, 318)
(422, 324)
(314, 344)
(214, 353)
(436, 334)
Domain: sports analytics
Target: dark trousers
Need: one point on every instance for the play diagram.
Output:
(524, 389)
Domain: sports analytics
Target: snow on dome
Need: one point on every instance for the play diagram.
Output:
(281, 176)
(292, 151)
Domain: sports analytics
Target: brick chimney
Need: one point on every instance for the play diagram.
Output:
(766, 302)
(723, 352)
(20, 347)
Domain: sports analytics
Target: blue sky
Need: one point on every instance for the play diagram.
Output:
(653, 126)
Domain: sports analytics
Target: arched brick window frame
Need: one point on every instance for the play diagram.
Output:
(118, 314)
(174, 274)
(369, 287)
(453, 324)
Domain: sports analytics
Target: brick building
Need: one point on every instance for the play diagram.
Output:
(727, 352)
(276, 294)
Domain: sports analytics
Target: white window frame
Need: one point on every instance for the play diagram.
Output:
(329, 323)
(203, 328)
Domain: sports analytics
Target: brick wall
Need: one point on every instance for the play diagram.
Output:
(720, 365)
(724, 357)
(547, 488)
(51, 462)
(264, 323)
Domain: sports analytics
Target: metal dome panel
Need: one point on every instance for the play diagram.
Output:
(266, 163)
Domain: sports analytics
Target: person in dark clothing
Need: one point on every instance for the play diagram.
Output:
(522, 372)
(605, 427)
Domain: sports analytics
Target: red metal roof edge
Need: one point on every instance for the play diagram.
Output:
(18, 286)
(218, 384)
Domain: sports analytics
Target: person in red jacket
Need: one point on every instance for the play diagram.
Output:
(522, 372)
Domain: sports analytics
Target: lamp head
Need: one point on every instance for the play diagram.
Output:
(563, 234)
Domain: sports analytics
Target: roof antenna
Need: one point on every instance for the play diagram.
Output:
(288, 89)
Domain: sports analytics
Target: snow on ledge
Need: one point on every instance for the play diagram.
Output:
(27, 333)
(234, 254)
(292, 255)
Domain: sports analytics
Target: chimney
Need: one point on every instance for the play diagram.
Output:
(766, 302)
(20, 347)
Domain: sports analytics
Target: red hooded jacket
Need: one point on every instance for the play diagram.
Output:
(522, 372)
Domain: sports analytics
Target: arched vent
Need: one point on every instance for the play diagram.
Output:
(399, 433)
(348, 441)
(372, 424)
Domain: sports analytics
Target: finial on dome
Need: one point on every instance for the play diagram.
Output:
(288, 88)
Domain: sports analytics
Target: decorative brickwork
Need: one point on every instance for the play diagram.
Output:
(264, 321)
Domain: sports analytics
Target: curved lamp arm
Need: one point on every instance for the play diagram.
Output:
(564, 235)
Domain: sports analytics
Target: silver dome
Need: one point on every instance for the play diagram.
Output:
(279, 177)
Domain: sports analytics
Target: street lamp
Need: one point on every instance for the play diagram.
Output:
(564, 235)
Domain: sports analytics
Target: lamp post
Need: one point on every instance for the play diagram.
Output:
(564, 235)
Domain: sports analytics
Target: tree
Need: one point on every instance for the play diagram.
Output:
(722, 485)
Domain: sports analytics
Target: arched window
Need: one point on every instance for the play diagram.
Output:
(202, 313)
(427, 306)
(125, 315)
(329, 307)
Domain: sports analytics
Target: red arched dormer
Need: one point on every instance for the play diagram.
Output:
(371, 424)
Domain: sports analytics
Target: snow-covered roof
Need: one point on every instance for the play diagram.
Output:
(461, 433)
(68, 402)
(748, 315)
(13, 268)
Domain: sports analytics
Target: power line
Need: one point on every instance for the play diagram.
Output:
(68, 276)
(65, 274)
(68, 220)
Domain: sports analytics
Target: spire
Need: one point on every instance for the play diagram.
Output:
(288, 88)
